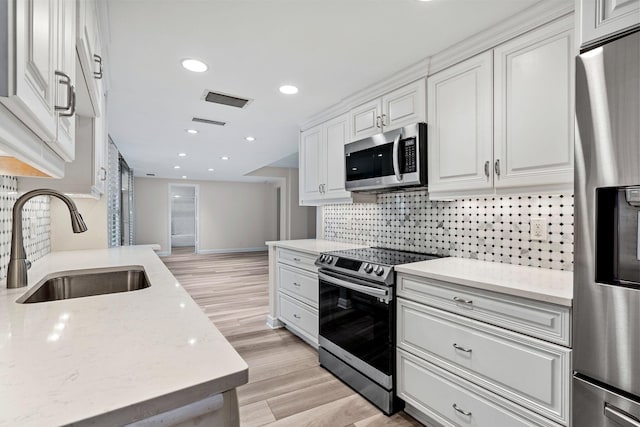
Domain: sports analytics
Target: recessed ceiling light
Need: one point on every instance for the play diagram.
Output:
(192, 131)
(182, 154)
(225, 157)
(250, 138)
(194, 65)
(176, 167)
(184, 176)
(210, 169)
(289, 89)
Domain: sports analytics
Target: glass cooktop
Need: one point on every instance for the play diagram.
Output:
(382, 256)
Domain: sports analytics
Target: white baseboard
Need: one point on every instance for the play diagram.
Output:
(163, 253)
(231, 250)
(274, 323)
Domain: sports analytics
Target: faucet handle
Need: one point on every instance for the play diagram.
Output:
(27, 264)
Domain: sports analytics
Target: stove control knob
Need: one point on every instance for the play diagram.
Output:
(329, 259)
(323, 258)
(368, 268)
(379, 270)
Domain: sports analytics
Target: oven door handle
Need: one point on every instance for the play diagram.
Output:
(369, 290)
(396, 157)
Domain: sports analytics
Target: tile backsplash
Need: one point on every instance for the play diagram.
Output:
(485, 228)
(36, 224)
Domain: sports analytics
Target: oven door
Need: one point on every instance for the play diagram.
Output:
(357, 324)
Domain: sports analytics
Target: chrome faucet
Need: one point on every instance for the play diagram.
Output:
(18, 263)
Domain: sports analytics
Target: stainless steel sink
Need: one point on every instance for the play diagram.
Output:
(84, 283)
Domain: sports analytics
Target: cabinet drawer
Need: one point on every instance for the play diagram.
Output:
(531, 372)
(297, 259)
(299, 284)
(549, 322)
(434, 391)
(297, 315)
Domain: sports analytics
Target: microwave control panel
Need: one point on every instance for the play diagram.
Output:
(409, 159)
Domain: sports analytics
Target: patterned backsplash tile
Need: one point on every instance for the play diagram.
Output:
(36, 224)
(484, 228)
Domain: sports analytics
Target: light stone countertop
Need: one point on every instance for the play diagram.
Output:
(539, 284)
(314, 246)
(72, 360)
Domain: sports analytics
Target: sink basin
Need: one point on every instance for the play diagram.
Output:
(84, 283)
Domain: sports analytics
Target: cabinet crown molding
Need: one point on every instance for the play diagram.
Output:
(533, 17)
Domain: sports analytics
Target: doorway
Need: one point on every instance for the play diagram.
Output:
(183, 218)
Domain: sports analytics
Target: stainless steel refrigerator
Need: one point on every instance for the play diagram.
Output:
(606, 320)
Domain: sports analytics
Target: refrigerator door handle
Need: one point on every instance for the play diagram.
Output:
(620, 417)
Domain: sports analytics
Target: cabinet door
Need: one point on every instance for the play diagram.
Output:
(366, 120)
(310, 164)
(65, 141)
(32, 86)
(603, 18)
(100, 150)
(88, 46)
(460, 126)
(534, 108)
(335, 135)
(404, 106)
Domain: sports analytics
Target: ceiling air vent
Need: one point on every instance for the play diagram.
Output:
(225, 99)
(208, 122)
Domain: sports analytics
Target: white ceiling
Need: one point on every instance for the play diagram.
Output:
(328, 48)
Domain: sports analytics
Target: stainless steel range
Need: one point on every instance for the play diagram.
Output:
(357, 319)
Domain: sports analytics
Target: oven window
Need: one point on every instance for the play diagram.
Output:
(358, 323)
(374, 162)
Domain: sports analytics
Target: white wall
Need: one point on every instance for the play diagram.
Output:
(232, 215)
(94, 213)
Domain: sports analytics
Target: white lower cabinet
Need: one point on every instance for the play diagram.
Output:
(438, 397)
(473, 353)
(297, 281)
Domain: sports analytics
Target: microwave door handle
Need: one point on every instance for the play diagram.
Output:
(396, 157)
(369, 290)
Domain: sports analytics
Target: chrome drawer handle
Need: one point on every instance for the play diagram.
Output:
(466, 350)
(620, 417)
(296, 316)
(463, 412)
(462, 300)
(297, 259)
(296, 284)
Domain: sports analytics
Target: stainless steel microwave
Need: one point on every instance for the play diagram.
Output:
(388, 161)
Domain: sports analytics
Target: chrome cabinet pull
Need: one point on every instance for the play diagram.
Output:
(296, 284)
(296, 259)
(620, 417)
(486, 168)
(466, 350)
(462, 300)
(463, 412)
(320, 188)
(70, 107)
(383, 122)
(378, 125)
(103, 174)
(296, 316)
(496, 167)
(98, 74)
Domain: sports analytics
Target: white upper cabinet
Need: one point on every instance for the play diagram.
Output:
(89, 52)
(603, 18)
(311, 174)
(336, 134)
(534, 108)
(65, 95)
(504, 120)
(396, 109)
(38, 79)
(460, 126)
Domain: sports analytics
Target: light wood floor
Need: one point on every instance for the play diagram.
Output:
(287, 387)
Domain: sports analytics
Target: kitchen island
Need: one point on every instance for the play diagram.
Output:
(148, 354)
